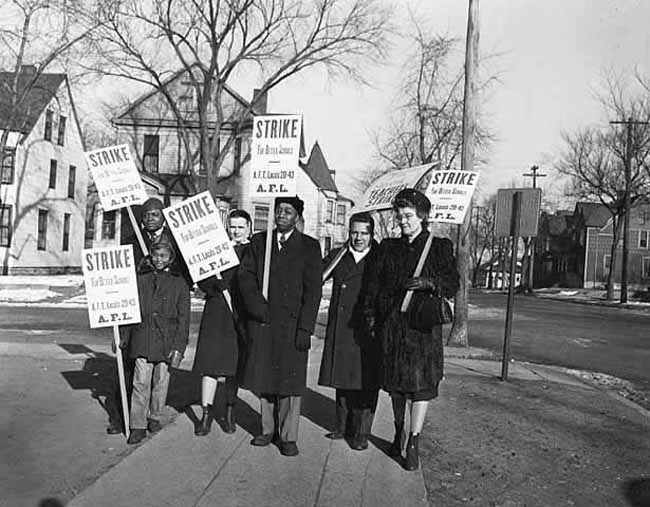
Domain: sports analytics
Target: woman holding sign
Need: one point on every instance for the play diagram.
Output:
(221, 336)
(412, 351)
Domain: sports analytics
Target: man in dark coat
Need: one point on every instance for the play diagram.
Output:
(154, 229)
(280, 326)
(351, 359)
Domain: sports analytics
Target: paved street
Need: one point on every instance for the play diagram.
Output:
(587, 337)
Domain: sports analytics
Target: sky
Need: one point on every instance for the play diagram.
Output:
(551, 57)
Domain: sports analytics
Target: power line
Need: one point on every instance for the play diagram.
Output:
(534, 175)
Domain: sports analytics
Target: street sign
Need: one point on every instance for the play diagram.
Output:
(530, 199)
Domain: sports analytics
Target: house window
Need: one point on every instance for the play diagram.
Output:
(327, 244)
(5, 225)
(185, 103)
(150, 153)
(72, 176)
(329, 214)
(645, 269)
(340, 214)
(606, 260)
(52, 174)
(260, 217)
(42, 229)
(108, 224)
(643, 239)
(48, 125)
(66, 232)
(237, 162)
(8, 164)
(61, 133)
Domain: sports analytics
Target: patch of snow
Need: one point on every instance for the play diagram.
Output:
(26, 295)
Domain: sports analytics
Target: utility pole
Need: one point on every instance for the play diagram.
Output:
(531, 242)
(458, 335)
(629, 123)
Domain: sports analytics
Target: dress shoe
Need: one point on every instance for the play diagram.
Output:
(203, 427)
(136, 436)
(335, 435)
(154, 426)
(288, 449)
(412, 461)
(396, 447)
(359, 443)
(229, 425)
(262, 440)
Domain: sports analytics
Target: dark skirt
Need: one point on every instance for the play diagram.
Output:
(217, 348)
(412, 361)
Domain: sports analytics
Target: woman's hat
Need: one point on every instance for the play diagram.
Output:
(414, 199)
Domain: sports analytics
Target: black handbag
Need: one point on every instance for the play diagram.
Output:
(427, 310)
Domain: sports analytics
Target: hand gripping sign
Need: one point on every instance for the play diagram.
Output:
(201, 238)
(112, 294)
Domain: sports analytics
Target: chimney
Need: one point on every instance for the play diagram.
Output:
(259, 101)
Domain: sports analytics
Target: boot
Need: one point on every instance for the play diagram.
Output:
(396, 447)
(412, 461)
(204, 426)
(229, 423)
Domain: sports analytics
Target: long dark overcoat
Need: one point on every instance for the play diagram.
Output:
(351, 359)
(221, 341)
(274, 365)
(412, 361)
(165, 312)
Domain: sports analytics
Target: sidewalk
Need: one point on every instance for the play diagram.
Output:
(543, 438)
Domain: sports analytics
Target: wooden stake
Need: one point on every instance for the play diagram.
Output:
(225, 292)
(267, 251)
(335, 261)
(138, 233)
(120, 376)
(418, 271)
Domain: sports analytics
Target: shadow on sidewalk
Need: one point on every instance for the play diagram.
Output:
(98, 375)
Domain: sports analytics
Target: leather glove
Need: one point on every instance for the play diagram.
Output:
(175, 358)
(221, 284)
(420, 283)
(303, 340)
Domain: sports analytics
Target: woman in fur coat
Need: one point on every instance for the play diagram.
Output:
(412, 359)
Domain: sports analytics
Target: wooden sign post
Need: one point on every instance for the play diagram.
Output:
(517, 214)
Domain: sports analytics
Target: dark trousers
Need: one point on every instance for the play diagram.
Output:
(355, 411)
(232, 386)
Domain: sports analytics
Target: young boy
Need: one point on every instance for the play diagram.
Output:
(158, 341)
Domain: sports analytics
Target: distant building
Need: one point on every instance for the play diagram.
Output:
(44, 177)
(152, 131)
(575, 249)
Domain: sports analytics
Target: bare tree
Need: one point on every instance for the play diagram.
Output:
(482, 238)
(214, 41)
(593, 158)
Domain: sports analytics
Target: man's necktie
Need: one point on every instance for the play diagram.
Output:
(282, 240)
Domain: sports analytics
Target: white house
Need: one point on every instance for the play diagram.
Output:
(44, 178)
(152, 131)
